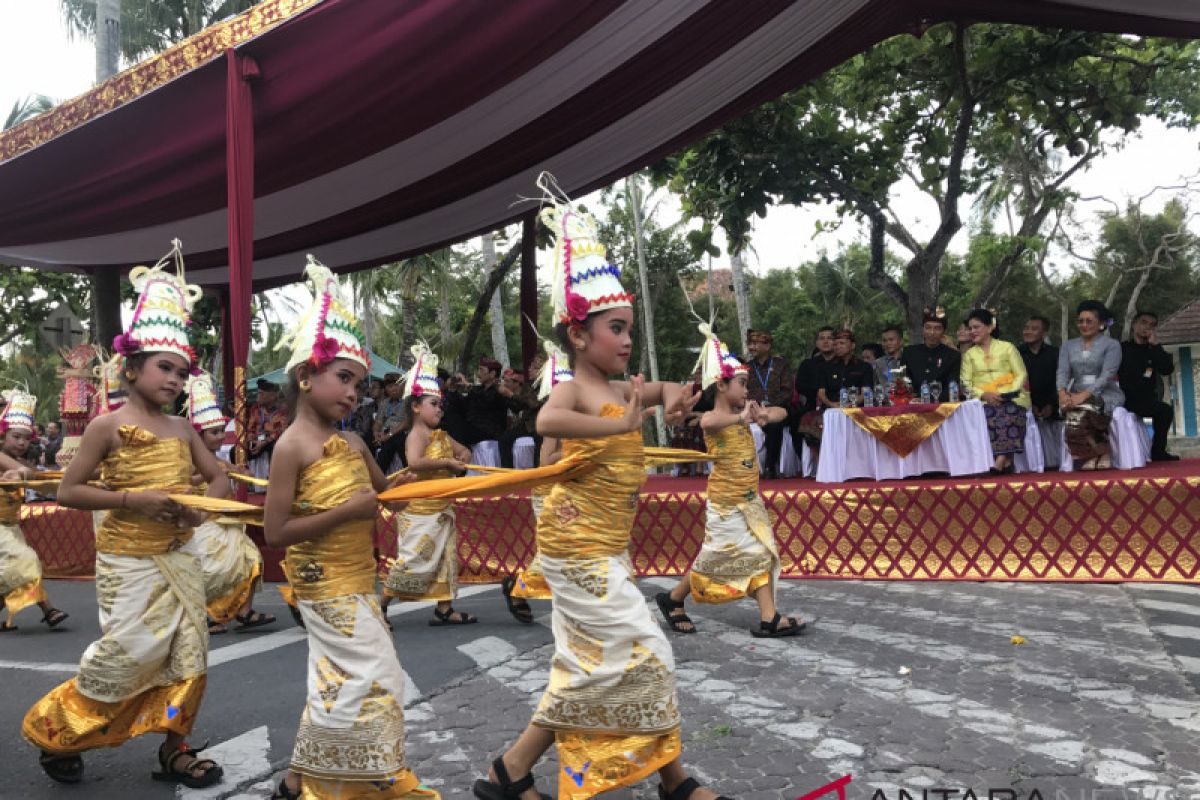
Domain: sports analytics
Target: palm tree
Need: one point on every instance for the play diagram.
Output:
(151, 26)
(28, 108)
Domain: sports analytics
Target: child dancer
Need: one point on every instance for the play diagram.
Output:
(232, 562)
(530, 583)
(739, 557)
(426, 565)
(146, 674)
(321, 505)
(610, 705)
(20, 569)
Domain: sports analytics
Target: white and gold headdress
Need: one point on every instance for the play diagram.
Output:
(162, 318)
(328, 329)
(716, 361)
(18, 410)
(203, 409)
(422, 379)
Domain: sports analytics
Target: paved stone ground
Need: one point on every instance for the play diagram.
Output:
(913, 686)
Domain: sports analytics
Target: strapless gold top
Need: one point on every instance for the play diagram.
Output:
(143, 461)
(593, 515)
(734, 476)
(340, 561)
(439, 447)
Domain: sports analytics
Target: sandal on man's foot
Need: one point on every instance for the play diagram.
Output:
(253, 619)
(54, 617)
(666, 605)
(505, 788)
(62, 767)
(209, 772)
(516, 605)
(683, 791)
(772, 630)
(448, 617)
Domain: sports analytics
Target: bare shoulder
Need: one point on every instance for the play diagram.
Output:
(355, 441)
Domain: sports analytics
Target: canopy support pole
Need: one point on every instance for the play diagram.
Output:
(239, 183)
(529, 298)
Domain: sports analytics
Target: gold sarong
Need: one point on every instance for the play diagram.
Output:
(426, 563)
(739, 554)
(20, 568)
(146, 674)
(611, 696)
(530, 581)
(350, 743)
(232, 567)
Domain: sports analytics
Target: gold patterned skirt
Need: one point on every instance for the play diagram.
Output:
(351, 738)
(232, 567)
(739, 555)
(611, 696)
(531, 583)
(426, 563)
(20, 572)
(146, 673)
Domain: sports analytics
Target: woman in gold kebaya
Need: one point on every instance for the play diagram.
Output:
(321, 505)
(146, 674)
(610, 705)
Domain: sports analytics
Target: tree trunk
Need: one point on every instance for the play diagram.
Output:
(922, 274)
(494, 279)
(740, 295)
(368, 308)
(408, 329)
(1131, 306)
(633, 193)
(444, 299)
(106, 283)
(496, 307)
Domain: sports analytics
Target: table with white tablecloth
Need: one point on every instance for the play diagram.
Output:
(959, 446)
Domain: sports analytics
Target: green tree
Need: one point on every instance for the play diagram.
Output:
(949, 111)
(151, 26)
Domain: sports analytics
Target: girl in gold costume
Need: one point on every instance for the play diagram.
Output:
(739, 557)
(20, 569)
(426, 564)
(232, 562)
(321, 505)
(146, 674)
(610, 705)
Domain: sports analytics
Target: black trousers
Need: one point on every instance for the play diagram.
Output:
(773, 436)
(509, 438)
(390, 449)
(1163, 415)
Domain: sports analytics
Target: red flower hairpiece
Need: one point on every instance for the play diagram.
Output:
(577, 306)
(325, 350)
(125, 344)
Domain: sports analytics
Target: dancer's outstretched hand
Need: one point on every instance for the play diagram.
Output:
(683, 404)
(635, 415)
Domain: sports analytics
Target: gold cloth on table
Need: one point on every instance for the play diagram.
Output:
(739, 555)
(340, 561)
(143, 462)
(611, 696)
(902, 433)
(350, 743)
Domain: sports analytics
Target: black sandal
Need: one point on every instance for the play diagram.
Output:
(516, 606)
(506, 789)
(771, 630)
(295, 612)
(54, 617)
(8, 627)
(683, 791)
(211, 771)
(216, 628)
(446, 617)
(666, 605)
(64, 768)
(254, 619)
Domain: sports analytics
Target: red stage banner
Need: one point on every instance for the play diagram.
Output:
(1120, 526)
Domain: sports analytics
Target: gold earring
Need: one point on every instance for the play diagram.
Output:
(130, 374)
(305, 386)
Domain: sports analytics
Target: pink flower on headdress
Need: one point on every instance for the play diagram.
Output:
(325, 349)
(417, 390)
(577, 306)
(726, 370)
(3, 427)
(125, 344)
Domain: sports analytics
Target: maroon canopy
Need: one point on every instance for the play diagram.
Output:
(382, 128)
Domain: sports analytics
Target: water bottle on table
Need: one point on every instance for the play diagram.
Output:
(868, 397)
(844, 398)
(924, 391)
(954, 395)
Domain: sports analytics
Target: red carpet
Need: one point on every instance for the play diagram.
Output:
(1142, 525)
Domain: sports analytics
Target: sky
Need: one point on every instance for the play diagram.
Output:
(38, 56)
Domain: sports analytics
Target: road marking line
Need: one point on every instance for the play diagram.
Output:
(243, 758)
(1178, 588)
(1189, 663)
(259, 644)
(1178, 608)
(488, 651)
(1177, 631)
